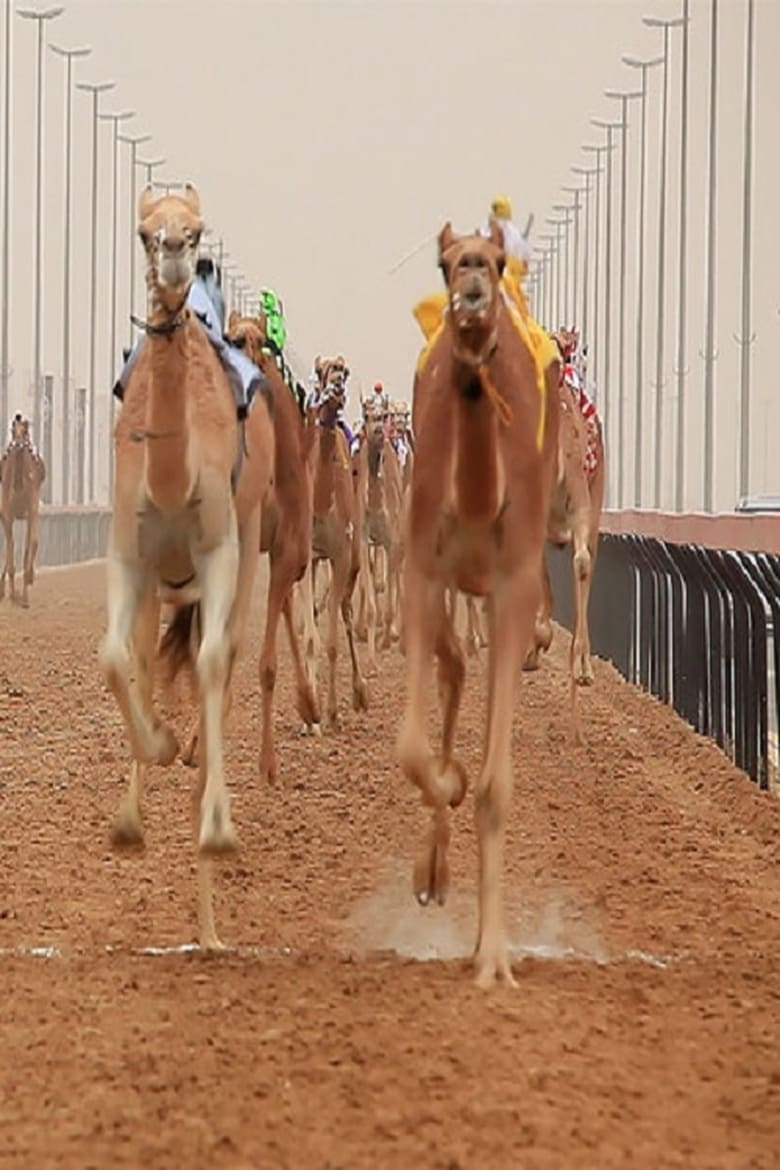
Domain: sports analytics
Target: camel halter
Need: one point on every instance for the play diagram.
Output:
(175, 321)
(479, 364)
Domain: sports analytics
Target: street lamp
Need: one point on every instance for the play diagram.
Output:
(557, 224)
(609, 127)
(134, 141)
(746, 339)
(565, 209)
(69, 55)
(598, 150)
(624, 98)
(587, 173)
(4, 370)
(682, 296)
(643, 66)
(709, 343)
(96, 91)
(150, 165)
(665, 25)
(40, 17)
(576, 192)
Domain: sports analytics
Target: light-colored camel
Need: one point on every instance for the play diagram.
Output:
(486, 434)
(22, 473)
(335, 532)
(180, 532)
(575, 517)
(380, 484)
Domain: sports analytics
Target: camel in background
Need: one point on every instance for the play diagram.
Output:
(335, 532)
(185, 530)
(22, 474)
(575, 515)
(485, 418)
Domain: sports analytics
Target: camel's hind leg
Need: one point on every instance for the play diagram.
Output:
(208, 938)
(359, 688)
(366, 580)
(308, 707)
(513, 608)
(311, 637)
(127, 830)
(279, 589)
(128, 584)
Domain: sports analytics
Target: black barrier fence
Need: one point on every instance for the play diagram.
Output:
(697, 627)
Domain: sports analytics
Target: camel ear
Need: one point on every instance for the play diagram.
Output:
(317, 363)
(446, 239)
(191, 198)
(496, 235)
(146, 202)
(233, 320)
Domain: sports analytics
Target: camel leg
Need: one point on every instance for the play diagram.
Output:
(127, 830)
(337, 590)
(151, 743)
(514, 604)
(359, 688)
(8, 568)
(543, 631)
(440, 782)
(390, 598)
(30, 554)
(208, 938)
(311, 637)
(581, 669)
(366, 578)
(308, 708)
(218, 576)
(279, 588)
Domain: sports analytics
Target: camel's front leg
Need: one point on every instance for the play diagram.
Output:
(9, 569)
(366, 580)
(279, 588)
(308, 707)
(581, 669)
(218, 576)
(543, 630)
(128, 831)
(127, 583)
(359, 688)
(514, 604)
(30, 552)
(311, 636)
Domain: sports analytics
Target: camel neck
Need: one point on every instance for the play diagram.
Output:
(167, 466)
(477, 472)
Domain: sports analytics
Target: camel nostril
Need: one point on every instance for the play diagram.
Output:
(173, 245)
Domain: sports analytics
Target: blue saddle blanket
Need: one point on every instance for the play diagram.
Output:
(244, 376)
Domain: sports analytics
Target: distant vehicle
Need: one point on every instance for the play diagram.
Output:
(758, 504)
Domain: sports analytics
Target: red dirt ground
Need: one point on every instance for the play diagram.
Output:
(645, 908)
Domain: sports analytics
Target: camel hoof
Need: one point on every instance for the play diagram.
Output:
(490, 969)
(431, 876)
(211, 944)
(29, 577)
(531, 661)
(307, 707)
(360, 697)
(217, 835)
(24, 603)
(268, 772)
(127, 831)
(166, 747)
(583, 673)
(189, 757)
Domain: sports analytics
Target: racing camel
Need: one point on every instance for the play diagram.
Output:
(185, 530)
(485, 420)
(22, 473)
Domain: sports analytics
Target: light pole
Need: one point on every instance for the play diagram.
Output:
(709, 343)
(557, 224)
(587, 173)
(576, 192)
(598, 151)
(643, 66)
(150, 165)
(746, 340)
(40, 18)
(665, 25)
(565, 210)
(682, 296)
(96, 91)
(609, 127)
(68, 55)
(624, 98)
(134, 141)
(4, 370)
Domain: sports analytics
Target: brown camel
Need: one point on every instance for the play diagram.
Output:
(575, 515)
(286, 530)
(185, 530)
(22, 473)
(335, 531)
(486, 434)
(380, 484)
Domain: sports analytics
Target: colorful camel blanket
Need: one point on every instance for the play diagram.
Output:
(589, 413)
(430, 315)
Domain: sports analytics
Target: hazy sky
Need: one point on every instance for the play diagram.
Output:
(329, 137)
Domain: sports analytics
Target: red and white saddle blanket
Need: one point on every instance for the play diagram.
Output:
(590, 414)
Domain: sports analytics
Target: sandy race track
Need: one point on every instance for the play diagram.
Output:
(343, 1031)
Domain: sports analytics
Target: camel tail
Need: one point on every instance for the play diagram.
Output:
(176, 645)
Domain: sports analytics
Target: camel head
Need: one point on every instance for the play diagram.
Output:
(20, 431)
(472, 267)
(567, 341)
(170, 228)
(332, 375)
(247, 333)
(375, 421)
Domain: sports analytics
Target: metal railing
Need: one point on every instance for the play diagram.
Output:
(696, 626)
